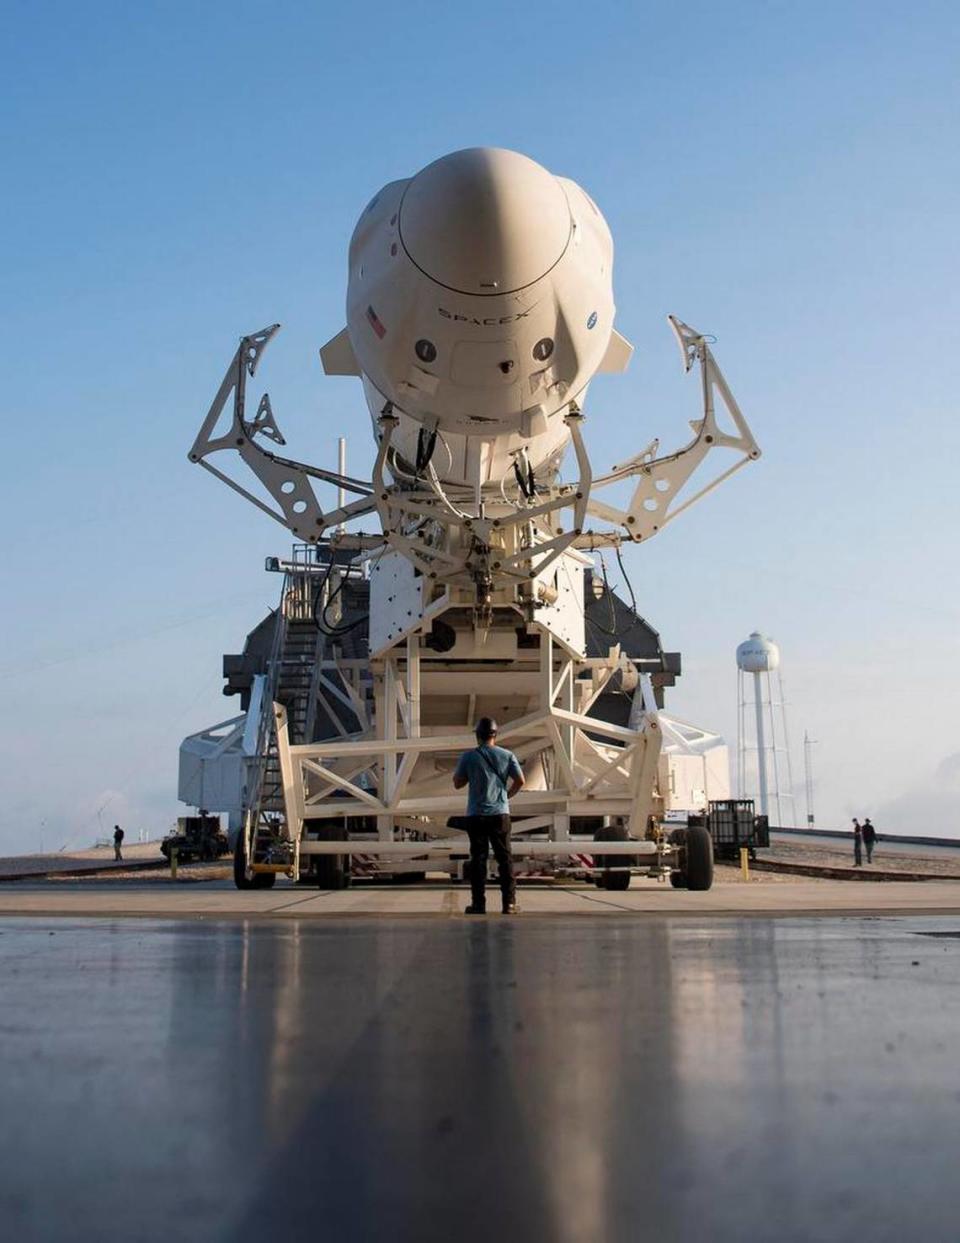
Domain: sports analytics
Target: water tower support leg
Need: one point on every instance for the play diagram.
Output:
(761, 746)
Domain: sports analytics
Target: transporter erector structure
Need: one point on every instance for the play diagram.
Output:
(479, 308)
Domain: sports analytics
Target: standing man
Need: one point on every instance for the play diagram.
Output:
(494, 775)
(117, 843)
(857, 843)
(869, 838)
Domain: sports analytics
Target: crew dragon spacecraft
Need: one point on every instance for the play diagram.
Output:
(479, 308)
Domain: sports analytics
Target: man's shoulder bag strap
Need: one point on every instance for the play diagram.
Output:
(493, 768)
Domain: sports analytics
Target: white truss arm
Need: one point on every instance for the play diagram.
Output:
(287, 482)
(652, 505)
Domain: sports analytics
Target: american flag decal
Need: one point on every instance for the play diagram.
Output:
(375, 323)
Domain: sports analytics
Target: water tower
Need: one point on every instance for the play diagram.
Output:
(763, 750)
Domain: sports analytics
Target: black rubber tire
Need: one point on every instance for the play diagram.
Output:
(332, 871)
(608, 879)
(699, 868)
(261, 880)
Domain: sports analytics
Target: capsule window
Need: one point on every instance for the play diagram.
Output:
(425, 350)
(543, 349)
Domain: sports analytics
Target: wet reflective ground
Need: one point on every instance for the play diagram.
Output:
(535, 1079)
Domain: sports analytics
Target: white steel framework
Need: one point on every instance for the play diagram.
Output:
(504, 574)
(764, 769)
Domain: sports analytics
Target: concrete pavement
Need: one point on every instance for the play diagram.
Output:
(161, 898)
(579, 1079)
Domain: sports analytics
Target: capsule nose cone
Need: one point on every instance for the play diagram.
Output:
(485, 221)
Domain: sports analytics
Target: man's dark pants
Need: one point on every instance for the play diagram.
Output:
(486, 832)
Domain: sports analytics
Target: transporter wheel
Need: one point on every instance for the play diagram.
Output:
(609, 879)
(699, 869)
(332, 871)
(261, 880)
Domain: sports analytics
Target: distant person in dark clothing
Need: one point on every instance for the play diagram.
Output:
(869, 838)
(494, 775)
(857, 843)
(117, 842)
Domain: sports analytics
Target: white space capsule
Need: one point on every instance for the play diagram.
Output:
(480, 304)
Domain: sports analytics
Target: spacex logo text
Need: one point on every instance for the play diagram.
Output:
(492, 321)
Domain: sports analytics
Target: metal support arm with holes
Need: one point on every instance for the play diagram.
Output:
(653, 503)
(287, 482)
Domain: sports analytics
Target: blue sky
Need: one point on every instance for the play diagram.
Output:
(783, 176)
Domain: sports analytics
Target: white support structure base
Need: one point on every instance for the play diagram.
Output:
(391, 786)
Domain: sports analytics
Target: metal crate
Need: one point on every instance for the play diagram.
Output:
(734, 824)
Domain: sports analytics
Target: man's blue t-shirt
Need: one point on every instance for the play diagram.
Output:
(488, 776)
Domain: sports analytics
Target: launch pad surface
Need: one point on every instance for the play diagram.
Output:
(551, 1078)
(160, 898)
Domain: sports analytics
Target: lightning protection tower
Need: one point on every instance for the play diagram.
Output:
(763, 748)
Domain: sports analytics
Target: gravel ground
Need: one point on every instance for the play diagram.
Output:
(840, 854)
(730, 874)
(98, 857)
(185, 872)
